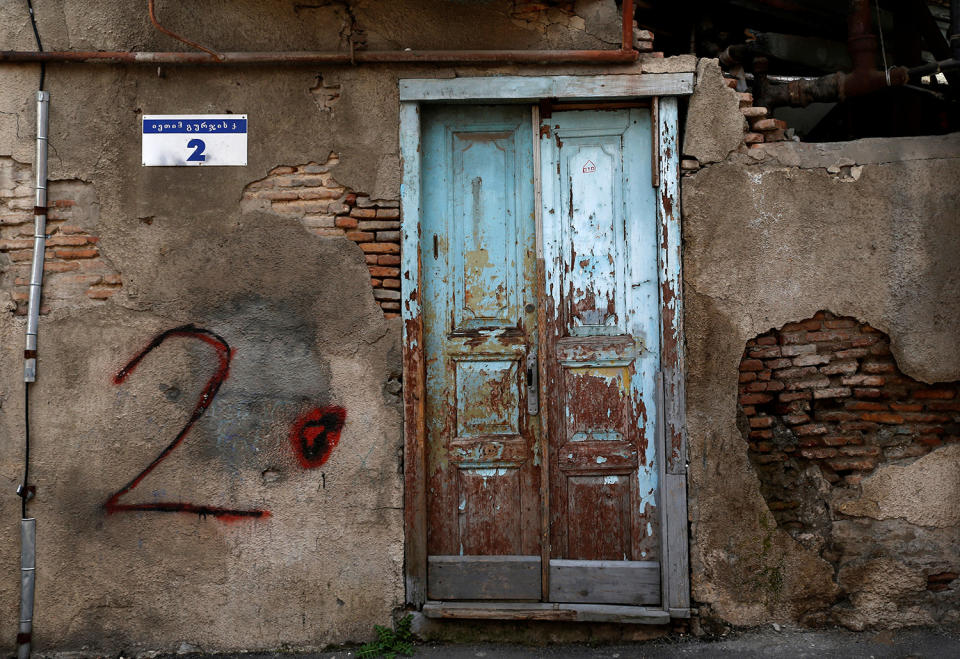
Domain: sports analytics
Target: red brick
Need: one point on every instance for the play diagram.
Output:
(810, 429)
(380, 248)
(751, 365)
(811, 360)
(381, 271)
(865, 426)
(866, 405)
(878, 367)
(754, 386)
(775, 385)
(929, 440)
(375, 283)
(829, 335)
(100, 292)
(761, 434)
(60, 266)
(833, 392)
(752, 138)
(883, 417)
(764, 374)
(839, 324)
(364, 213)
(755, 399)
(853, 353)
(818, 453)
(390, 315)
(860, 450)
(761, 422)
(346, 222)
(865, 380)
(793, 338)
(767, 340)
(866, 392)
(371, 259)
(906, 407)
(917, 417)
(786, 397)
(864, 341)
(836, 415)
(941, 394)
(794, 419)
(749, 410)
(388, 259)
(820, 382)
(796, 372)
(75, 252)
(766, 352)
(840, 440)
(761, 447)
(795, 351)
(941, 406)
(748, 376)
(778, 363)
(839, 368)
(388, 213)
(391, 283)
(360, 236)
(852, 464)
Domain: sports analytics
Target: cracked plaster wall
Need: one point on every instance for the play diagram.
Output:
(297, 309)
(771, 236)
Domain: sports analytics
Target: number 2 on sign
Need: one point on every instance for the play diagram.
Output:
(198, 146)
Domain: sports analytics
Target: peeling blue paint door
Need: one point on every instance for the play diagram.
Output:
(479, 309)
(502, 480)
(602, 346)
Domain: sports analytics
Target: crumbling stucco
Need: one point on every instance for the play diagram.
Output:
(767, 244)
(714, 127)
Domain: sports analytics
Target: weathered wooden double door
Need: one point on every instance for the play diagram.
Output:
(541, 351)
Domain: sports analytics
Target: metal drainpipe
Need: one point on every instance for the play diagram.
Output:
(39, 239)
(28, 525)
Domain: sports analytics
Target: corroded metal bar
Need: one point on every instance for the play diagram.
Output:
(311, 57)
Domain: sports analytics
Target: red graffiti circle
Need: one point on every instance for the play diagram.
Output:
(316, 433)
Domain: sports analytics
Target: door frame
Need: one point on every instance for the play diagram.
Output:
(662, 90)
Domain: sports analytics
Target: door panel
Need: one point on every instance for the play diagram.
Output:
(602, 352)
(479, 309)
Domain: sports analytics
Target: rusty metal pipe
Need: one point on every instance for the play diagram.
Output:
(313, 57)
(626, 42)
(626, 54)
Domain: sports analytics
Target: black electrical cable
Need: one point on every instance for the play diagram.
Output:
(36, 33)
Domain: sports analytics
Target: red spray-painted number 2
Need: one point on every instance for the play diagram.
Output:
(224, 355)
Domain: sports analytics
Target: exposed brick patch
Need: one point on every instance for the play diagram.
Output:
(832, 398)
(74, 271)
(310, 193)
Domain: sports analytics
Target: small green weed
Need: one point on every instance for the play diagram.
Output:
(390, 642)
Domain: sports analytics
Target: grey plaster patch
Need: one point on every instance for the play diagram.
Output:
(924, 492)
(715, 126)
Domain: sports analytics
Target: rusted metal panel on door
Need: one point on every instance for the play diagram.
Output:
(479, 309)
(602, 333)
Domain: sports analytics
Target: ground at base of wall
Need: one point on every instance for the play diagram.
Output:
(759, 643)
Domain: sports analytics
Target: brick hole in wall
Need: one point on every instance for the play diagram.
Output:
(75, 272)
(325, 208)
(822, 405)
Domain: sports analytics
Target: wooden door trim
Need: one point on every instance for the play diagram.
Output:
(535, 89)
(546, 611)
